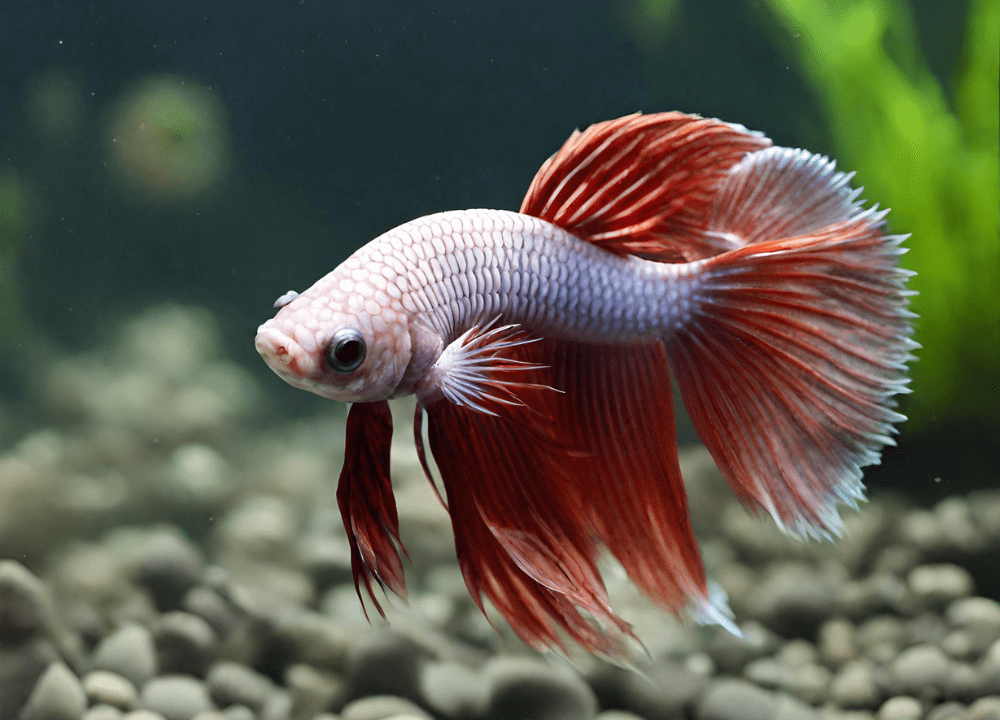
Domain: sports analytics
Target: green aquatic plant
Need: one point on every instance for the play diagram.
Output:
(934, 163)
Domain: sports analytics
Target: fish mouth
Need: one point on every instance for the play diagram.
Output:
(282, 352)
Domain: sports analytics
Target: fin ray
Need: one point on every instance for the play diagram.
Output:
(641, 184)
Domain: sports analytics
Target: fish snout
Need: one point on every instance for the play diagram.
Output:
(281, 351)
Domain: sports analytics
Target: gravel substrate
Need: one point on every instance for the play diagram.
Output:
(168, 558)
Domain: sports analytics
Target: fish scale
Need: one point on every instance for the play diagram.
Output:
(502, 263)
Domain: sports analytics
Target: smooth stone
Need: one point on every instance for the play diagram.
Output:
(102, 712)
(314, 639)
(835, 640)
(451, 689)
(278, 707)
(206, 603)
(935, 586)
(186, 643)
(25, 607)
(947, 711)
(988, 670)
(985, 708)
(56, 696)
(238, 712)
(176, 697)
(731, 654)
(231, 683)
(382, 707)
(20, 669)
(385, 662)
(143, 715)
(664, 692)
(169, 565)
(901, 707)
(313, 691)
(130, 652)
(525, 687)
(736, 700)
(921, 670)
(793, 600)
(854, 687)
(110, 688)
(978, 615)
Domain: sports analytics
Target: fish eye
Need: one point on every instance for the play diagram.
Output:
(346, 351)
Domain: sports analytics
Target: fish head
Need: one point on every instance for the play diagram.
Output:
(344, 338)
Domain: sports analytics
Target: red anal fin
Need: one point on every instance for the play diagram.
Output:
(799, 344)
(366, 502)
(618, 403)
(642, 184)
(521, 537)
(537, 486)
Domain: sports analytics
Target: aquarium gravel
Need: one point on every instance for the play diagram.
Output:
(171, 553)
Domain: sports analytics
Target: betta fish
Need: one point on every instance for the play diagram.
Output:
(539, 345)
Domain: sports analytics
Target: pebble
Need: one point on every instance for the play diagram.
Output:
(524, 687)
(20, 668)
(312, 691)
(935, 586)
(56, 696)
(921, 670)
(108, 688)
(312, 638)
(836, 642)
(947, 711)
(854, 687)
(736, 700)
(980, 616)
(102, 712)
(662, 692)
(231, 683)
(210, 606)
(452, 689)
(731, 653)
(175, 697)
(24, 604)
(186, 643)
(169, 565)
(383, 707)
(385, 662)
(277, 707)
(988, 670)
(901, 708)
(985, 708)
(793, 600)
(130, 652)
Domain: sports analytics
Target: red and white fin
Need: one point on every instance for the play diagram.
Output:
(536, 485)
(799, 341)
(642, 184)
(367, 504)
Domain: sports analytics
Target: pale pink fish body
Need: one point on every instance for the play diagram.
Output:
(414, 290)
(540, 344)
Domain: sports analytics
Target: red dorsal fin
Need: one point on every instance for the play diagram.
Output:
(367, 504)
(642, 184)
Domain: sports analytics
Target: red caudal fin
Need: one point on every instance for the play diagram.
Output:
(642, 184)
(367, 504)
(536, 489)
(799, 340)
